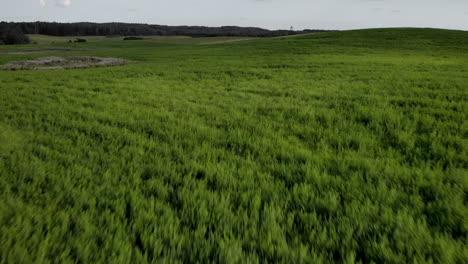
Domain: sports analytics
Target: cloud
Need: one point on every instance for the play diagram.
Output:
(67, 3)
(59, 3)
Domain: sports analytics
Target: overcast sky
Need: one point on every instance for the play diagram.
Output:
(271, 14)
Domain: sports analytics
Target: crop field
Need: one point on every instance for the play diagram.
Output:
(345, 147)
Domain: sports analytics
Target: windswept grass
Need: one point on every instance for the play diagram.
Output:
(338, 147)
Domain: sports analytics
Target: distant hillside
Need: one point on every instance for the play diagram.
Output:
(124, 29)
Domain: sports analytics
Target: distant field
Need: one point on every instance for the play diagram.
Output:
(347, 147)
(43, 39)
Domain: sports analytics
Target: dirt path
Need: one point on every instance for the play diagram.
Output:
(243, 39)
(226, 41)
(297, 35)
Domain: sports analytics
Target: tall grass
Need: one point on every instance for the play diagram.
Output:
(339, 147)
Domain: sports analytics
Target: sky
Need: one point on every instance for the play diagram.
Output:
(270, 14)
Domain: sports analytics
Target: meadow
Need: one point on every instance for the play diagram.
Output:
(340, 147)
(44, 39)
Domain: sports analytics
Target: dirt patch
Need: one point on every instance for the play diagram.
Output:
(57, 63)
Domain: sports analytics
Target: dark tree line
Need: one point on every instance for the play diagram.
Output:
(125, 29)
(12, 34)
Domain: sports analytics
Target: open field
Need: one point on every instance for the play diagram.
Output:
(344, 147)
(43, 39)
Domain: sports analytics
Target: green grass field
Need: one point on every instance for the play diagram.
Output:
(43, 39)
(348, 147)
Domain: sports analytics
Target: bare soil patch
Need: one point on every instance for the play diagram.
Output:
(56, 63)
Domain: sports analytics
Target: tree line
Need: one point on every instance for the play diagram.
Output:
(12, 34)
(18, 30)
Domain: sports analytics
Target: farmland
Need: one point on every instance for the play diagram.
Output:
(347, 147)
(43, 39)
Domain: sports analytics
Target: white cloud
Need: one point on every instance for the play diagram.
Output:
(59, 3)
(67, 3)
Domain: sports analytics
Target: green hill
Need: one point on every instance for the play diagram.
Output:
(335, 147)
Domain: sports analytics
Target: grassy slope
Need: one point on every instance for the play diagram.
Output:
(345, 146)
